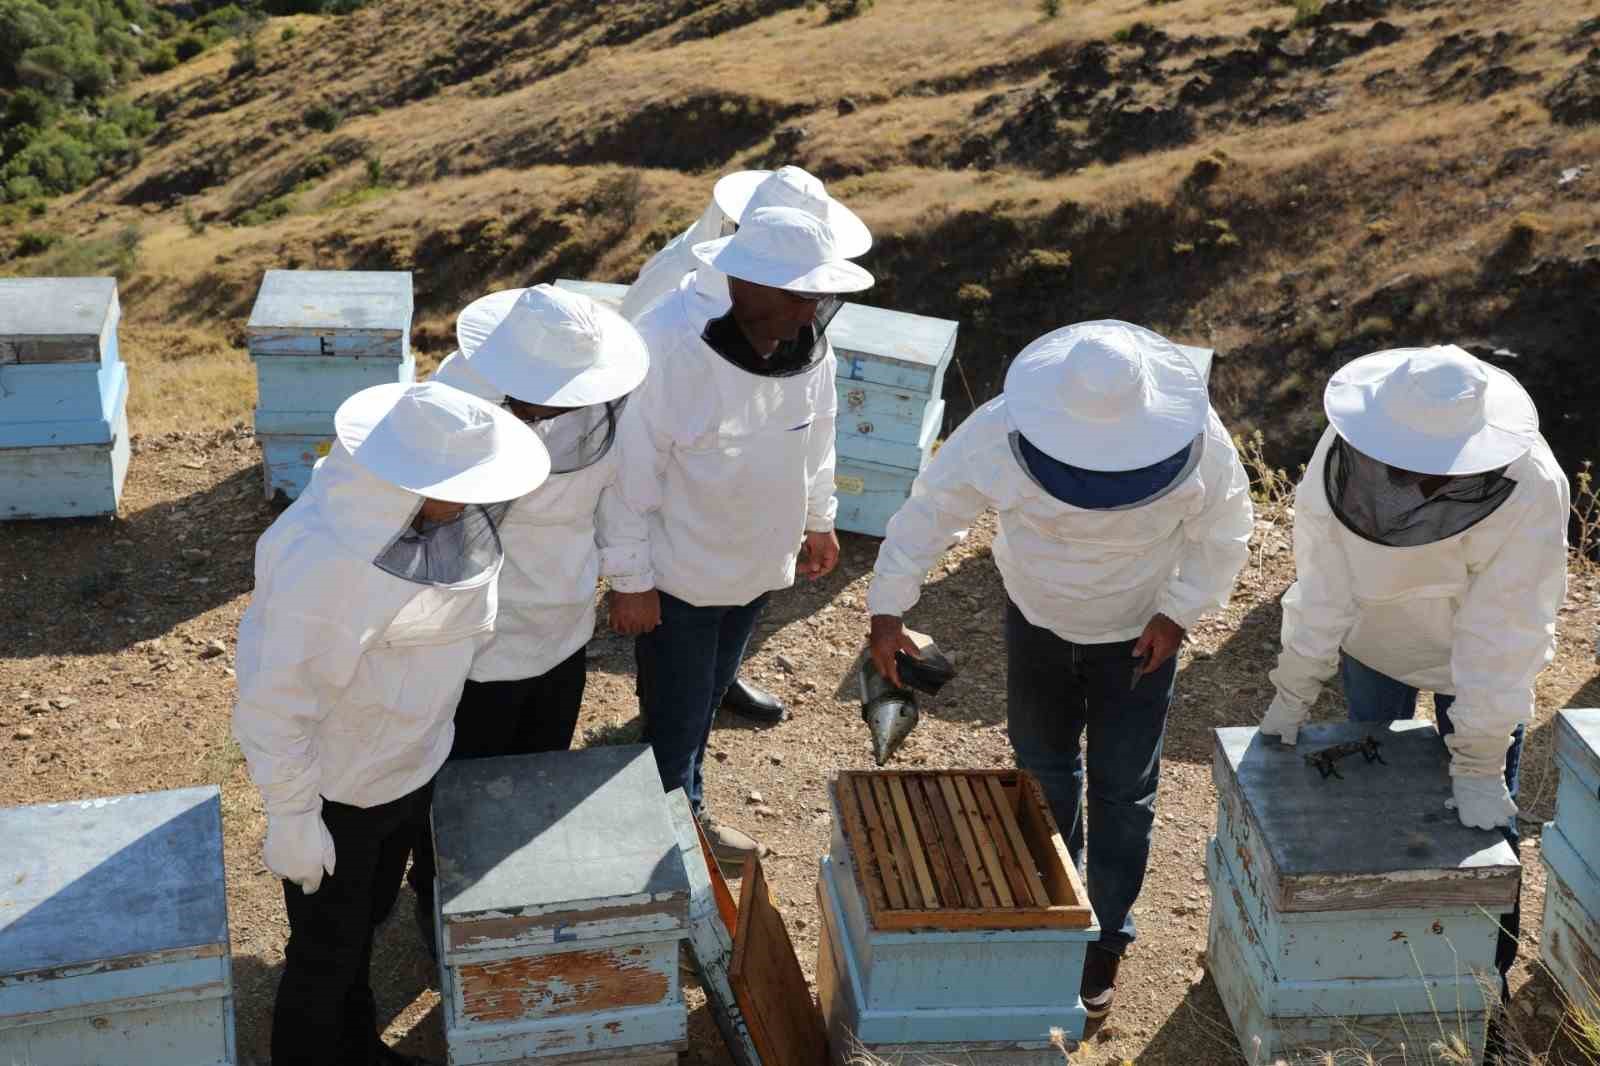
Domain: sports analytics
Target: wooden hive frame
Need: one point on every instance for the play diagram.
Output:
(958, 849)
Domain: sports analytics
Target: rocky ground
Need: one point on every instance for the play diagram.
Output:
(117, 678)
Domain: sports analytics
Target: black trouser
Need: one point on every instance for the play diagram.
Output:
(325, 1014)
(507, 718)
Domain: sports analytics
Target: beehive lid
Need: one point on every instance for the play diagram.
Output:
(957, 849)
(1578, 740)
(1377, 837)
(333, 303)
(110, 879)
(54, 320)
(553, 837)
(892, 336)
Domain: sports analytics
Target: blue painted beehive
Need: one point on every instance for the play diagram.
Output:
(63, 398)
(954, 924)
(317, 337)
(562, 902)
(114, 932)
(1352, 910)
(1570, 943)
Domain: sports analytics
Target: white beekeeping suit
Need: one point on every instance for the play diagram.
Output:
(556, 538)
(735, 196)
(1089, 576)
(362, 626)
(1456, 593)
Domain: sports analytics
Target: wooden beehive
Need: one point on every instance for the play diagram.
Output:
(1355, 910)
(1570, 943)
(562, 901)
(954, 920)
(63, 398)
(317, 337)
(114, 932)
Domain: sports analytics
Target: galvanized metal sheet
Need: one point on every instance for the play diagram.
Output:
(555, 836)
(893, 336)
(1578, 743)
(108, 878)
(606, 292)
(332, 302)
(1379, 836)
(50, 320)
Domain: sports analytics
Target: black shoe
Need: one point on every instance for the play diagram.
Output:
(1099, 986)
(747, 701)
(425, 927)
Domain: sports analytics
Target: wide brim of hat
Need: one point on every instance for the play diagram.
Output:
(732, 194)
(834, 276)
(1509, 430)
(519, 464)
(1176, 410)
(624, 358)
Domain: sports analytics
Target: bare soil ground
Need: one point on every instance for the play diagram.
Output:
(111, 683)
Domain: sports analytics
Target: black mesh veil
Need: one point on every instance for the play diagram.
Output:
(791, 357)
(453, 552)
(1388, 506)
(580, 438)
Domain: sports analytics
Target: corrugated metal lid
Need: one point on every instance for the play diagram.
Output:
(536, 835)
(333, 301)
(1381, 822)
(107, 878)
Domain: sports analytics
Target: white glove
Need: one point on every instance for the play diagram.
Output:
(1284, 718)
(298, 848)
(1482, 802)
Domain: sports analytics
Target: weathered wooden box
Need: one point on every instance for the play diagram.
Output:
(1351, 911)
(954, 923)
(1570, 847)
(63, 398)
(317, 337)
(114, 932)
(562, 901)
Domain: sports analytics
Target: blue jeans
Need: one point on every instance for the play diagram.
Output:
(686, 665)
(1375, 697)
(1057, 690)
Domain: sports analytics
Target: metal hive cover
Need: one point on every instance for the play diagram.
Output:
(333, 301)
(108, 878)
(540, 834)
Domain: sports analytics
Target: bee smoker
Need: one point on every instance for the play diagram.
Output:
(890, 712)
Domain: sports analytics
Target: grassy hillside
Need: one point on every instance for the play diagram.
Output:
(1293, 184)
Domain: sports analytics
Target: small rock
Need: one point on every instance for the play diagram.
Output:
(777, 760)
(786, 664)
(193, 464)
(113, 725)
(846, 106)
(213, 649)
(799, 923)
(24, 733)
(1570, 176)
(720, 756)
(61, 703)
(764, 811)
(754, 797)
(195, 555)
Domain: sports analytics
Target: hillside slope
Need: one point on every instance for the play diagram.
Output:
(1294, 185)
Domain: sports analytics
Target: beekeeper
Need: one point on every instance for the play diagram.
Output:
(564, 365)
(1431, 553)
(734, 196)
(1124, 516)
(729, 478)
(373, 593)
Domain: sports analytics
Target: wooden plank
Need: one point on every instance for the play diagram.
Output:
(767, 980)
(967, 887)
(567, 983)
(888, 871)
(1054, 858)
(969, 848)
(1010, 863)
(932, 842)
(1019, 847)
(981, 837)
(879, 791)
(986, 918)
(863, 860)
(913, 842)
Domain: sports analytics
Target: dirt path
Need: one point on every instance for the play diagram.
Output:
(110, 684)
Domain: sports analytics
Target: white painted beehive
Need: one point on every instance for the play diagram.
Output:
(114, 933)
(1351, 911)
(316, 338)
(562, 903)
(63, 398)
(954, 924)
(1570, 846)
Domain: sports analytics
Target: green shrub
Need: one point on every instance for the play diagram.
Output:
(289, 33)
(318, 166)
(1050, 8)
(30, 243)
(839, 10)
(322, 116)
(162, 58)
(374, 171)
(188, 46)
